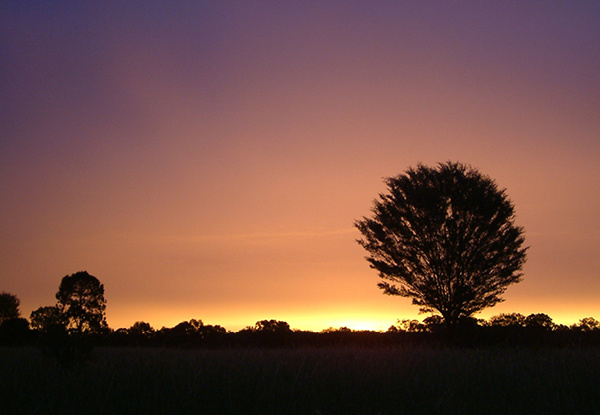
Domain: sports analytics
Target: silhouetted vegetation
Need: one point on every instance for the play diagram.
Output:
(514, 329)
(510, 363)
(68, 331)
(9, 307)
(48, 318)
(80, 300)
(535, 330)
(14, 330)
(446, 238)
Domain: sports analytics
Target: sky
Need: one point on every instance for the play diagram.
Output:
(208, 160)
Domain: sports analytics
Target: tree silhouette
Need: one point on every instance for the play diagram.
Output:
(140, 328)
(187, 327)
(446, 238)
(272, 326)
(9, 307)
(411, 326)
(46, 319)
(269, 333)
(508, 320)
(539, 321)
(81, 302)
(587, 324)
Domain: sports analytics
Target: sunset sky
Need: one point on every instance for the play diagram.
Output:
(208, 160)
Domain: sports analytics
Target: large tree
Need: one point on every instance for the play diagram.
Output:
(81, 302)
(446, 238)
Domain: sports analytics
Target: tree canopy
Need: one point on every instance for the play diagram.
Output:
(81, 302)
(9, 307)
(446, 238)
(47, 318)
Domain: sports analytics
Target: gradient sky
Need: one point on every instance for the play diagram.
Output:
(207, 160)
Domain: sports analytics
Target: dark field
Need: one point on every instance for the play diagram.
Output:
(340, 380)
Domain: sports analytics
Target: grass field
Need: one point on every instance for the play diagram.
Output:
(304, 381)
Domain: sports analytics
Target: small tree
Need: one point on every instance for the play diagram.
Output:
(272, 326)
(46, 319)
(81, 302)
(433, 323)
(187, 327)
(140, 328)
(446, 238)
(272, 333)
(587, 324)
(9, 307)
(411, 326)
(508, 320)
(540, 321)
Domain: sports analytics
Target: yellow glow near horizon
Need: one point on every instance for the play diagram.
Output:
(234, 320)
(317, 321)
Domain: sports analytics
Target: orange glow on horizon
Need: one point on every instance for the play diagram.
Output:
(317, 320)
(236, 320)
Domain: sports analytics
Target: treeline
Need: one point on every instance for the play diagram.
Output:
(77, 322)
(503, 329)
